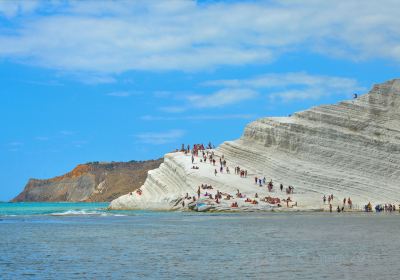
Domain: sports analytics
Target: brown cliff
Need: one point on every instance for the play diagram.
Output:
(92, 182)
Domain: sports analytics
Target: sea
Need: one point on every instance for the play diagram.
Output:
(87, 241)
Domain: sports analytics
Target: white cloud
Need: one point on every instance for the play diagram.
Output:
(162, 94)
(221, 98)
(79, 144)
(123, 93)
(15, 144)
(159, 138)
(295, 86)
(67, 132)
(13, 8)
(173, 109)
(115, 36)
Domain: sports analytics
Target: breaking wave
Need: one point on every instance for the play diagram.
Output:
(84, 213)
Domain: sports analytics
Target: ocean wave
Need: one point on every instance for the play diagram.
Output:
(76, 213)
(84, 213)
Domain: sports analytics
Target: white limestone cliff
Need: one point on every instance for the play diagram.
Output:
(350, 149)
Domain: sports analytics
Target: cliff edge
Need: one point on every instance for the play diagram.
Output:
(90, 182)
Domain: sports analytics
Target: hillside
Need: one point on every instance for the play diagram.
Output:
(92, 182)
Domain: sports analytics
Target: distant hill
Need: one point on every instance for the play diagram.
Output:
(91, 182)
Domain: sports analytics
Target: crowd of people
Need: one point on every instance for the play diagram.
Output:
(386, 208)
(207, 155)
(199, 150)
(346, 201)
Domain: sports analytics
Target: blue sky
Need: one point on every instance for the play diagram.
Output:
(116, 81)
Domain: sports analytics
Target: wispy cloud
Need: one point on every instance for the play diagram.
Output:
(14, 146)
(122, 93)
(173, 109)
(79, 143)
(45, 83)
(162, 94)
(11, 9)
(67, 132)
(159, 138)
(89, 77)
(295, 86)
(116, 36)
(221, 98)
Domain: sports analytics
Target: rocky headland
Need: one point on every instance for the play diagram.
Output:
(90, 182)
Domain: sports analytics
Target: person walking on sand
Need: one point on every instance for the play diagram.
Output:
(330, 208)
(215, 172)
(198, 192)
(281, 186)
(192, 159)
(324, 199)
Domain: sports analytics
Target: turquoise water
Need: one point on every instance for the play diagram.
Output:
(52, 208)
(85, 241)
